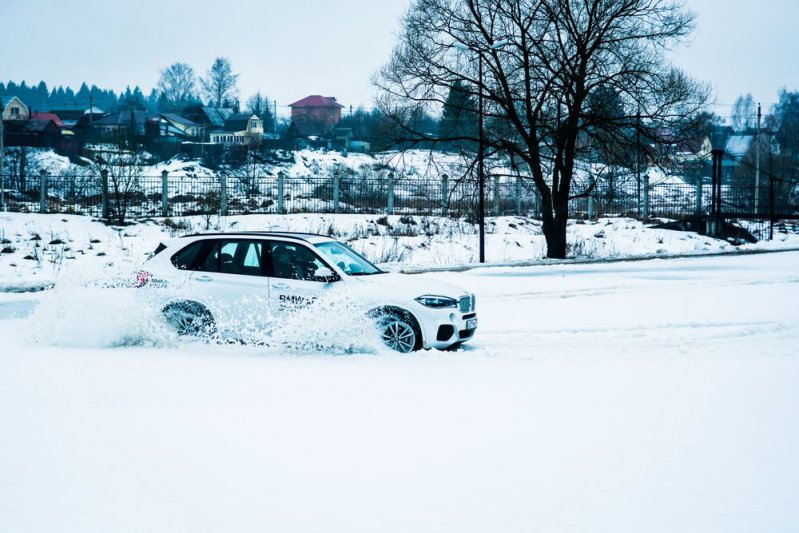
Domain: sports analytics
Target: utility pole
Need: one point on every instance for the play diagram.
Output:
(274, 115)
(481, 163)
(2, 159)
(757, 162)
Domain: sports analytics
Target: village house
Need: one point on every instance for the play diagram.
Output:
(126, 123)
(239, 128)
(176, 127)
(16, 110)
(24, 128)
(315, 115)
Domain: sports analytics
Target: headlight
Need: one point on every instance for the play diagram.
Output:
(437, 302)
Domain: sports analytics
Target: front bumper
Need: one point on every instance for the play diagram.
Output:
(441, 328)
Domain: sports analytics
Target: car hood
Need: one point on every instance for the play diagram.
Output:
(406, 286)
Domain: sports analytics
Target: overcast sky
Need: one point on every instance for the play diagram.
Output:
(288, 49)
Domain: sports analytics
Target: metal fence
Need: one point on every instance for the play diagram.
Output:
(122, 197)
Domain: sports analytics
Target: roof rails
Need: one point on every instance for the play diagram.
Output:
(299, 235)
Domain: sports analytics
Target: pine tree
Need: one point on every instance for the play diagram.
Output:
(458, 127)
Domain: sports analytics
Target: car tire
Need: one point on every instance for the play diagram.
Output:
(399, 330)
(190, 319)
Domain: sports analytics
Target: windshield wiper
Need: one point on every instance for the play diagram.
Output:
(368, 273)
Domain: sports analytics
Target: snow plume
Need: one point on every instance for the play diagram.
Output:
(333, 324)
(94, 312)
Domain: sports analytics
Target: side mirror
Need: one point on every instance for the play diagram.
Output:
(325, 274)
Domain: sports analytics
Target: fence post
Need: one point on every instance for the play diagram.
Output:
(336, 191)
(104, 192)
(444, 194)
(390, 206)
(591, 204)
(496, 196)
(164, 193)
(223, 196)
(518, 196)
(280, 194)
(645, 211)
(698, 199)
(42, 191)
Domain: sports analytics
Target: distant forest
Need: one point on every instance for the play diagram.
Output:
(43, 98)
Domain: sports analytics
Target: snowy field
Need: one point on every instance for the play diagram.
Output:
(656, 396)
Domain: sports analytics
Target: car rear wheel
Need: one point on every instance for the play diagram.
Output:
(190, 319)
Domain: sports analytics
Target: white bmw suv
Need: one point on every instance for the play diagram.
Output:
(207, 282)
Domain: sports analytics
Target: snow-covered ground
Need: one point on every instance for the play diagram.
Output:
(655, 396)
(38, 250)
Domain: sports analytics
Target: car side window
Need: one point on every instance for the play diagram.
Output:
(186, 258)
(294, 261)
(234, 257)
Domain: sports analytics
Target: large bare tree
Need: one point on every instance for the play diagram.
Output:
(546, 65)
(177, 85)
(219, 84)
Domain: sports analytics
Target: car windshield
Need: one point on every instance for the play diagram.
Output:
(347, 259)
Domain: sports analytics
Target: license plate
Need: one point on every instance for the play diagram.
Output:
(471, 324)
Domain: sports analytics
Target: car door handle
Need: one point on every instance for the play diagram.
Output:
(204, 278)
(281, 286)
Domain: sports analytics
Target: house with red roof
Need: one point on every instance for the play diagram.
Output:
(315, 115)
(48, 116)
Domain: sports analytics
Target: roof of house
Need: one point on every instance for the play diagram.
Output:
(693, 145)
(177, 119)
(738, 145)
(11, 99)
(238, 121)
(123, 118)
(217, 115)
(68, 114)
(48, 116)
(316, 101)
(32, 126)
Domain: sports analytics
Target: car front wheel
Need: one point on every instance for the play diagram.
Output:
(400, 332)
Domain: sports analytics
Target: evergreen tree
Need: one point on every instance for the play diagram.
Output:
(82, 95)
(458, 127)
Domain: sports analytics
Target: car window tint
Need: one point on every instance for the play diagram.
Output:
(293, 261)
(234, 257)
(184, 259)
(211, 261)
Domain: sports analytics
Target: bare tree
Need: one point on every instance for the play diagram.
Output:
(258, 104)
(744, 113)
(124, 163)
(177, 86)
(219, 84)
(542, 61)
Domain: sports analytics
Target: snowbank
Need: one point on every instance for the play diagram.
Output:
(40, 249)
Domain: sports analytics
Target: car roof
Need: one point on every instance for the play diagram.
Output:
(308, 237)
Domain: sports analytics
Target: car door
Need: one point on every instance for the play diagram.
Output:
(292, 274)
(230, 280)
